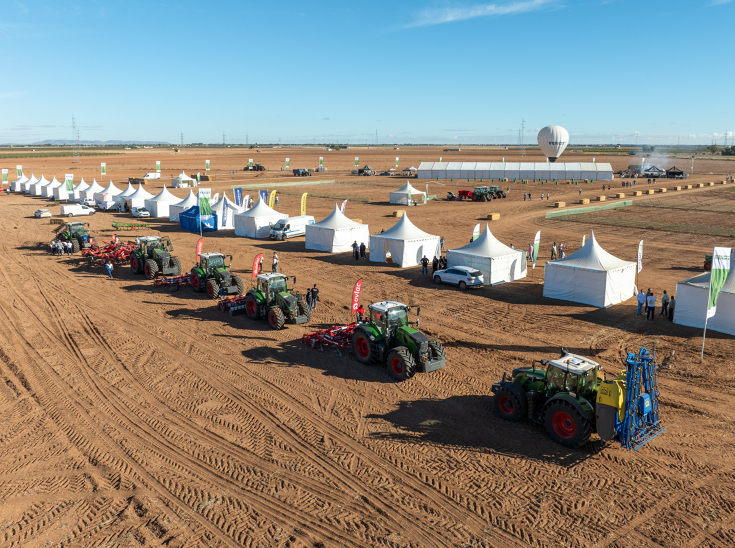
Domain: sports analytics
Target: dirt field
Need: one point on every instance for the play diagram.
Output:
(134, 416)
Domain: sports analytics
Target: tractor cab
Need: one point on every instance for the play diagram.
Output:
(388, 316)
(571, 373)
(271, 285)
(482, 189)
(213, 263)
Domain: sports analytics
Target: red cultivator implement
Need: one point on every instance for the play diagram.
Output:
(173, 281)
(234, 304)
(115, 252)
(337, 336)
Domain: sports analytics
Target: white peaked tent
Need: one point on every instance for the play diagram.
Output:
(336, 233)
(497, 262)
(35, 189)
(590, 276)
(159, 205)
(137, 198)
(692, 296)
(256, 221)
(110, 191)
(177, 207)
(226, 221)
(92, 189)
(120, 198)
(61, 193)
(400, 196)
(183, 180)
(405, 243)
(48, 190)
(15, 185)
(24, 186)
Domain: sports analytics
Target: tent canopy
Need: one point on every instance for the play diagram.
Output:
(487, 245)
(592, 257)
(336, 233)
(177, 207)
(256, 221)
(405, 243)
(404, 229)
(497, 262)
(336, 220)
(190, 221)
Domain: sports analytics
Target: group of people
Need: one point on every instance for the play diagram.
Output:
(60, 247)
(358, 251)
(628, 184)
(542, 196)
(438, 263)
(557, 251)
(668, 304)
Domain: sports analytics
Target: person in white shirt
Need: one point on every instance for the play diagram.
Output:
(651, 303)
(641, 298)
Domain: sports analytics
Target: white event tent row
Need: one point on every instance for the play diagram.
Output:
(256, 222)
(28, 182)
(91, 190)
(48, 190)
(15, 186)
(514, 170)
(35, 189)
(106, 194)
(120, 198)
(177, 207)
(137, 198)
(692, 297)
(158, 206)
(497, 262)
(401, 195)
(336, 233)
(60, 192)
(226, 210)
(591, 276)
(405, 243)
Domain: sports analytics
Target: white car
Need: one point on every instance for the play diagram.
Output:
(42, 213)
(140, 212)
(463, 276)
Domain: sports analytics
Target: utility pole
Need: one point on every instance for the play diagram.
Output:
(522, 138)
(182, 138)
(75, 159)
(223, 140)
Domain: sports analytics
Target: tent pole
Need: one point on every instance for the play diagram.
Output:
(704, 335)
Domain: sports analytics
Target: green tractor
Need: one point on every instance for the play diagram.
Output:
(273, 300)
(153, 257)
(497, 192)
(388, 338)
(481, 194)
(76, 233)
(211, 273)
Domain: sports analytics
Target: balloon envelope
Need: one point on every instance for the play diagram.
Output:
(553, 140)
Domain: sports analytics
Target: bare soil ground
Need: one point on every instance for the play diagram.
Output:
(135, 416)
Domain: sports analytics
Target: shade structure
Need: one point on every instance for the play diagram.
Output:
(35, 189)
(93, 189)
(158, 205)
(336, 233)
(176, 208)
(15, 185)
(400, 196)
(107, 193)
(497, 170)
(405, 243)
(226, 210)
(183, 180)
(692, 296)
(48, 190)
(591, 276)
(515, 170)
(497, 262)
(191, 221)
(60, 192)
(256, 222)
(26, 184)
(120, 198)
(573, 171)
(589, 171)
(468, 170)
(137, 198)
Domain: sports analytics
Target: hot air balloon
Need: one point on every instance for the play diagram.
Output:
(553, 140)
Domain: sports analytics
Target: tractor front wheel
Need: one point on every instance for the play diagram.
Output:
(150, 269)
(276, 318)
(566, 425)
(401, 365)
(176, 263)
(508, 405)
(361, 347)
(75, 246)
(251, 307)
(134, 265)
(196, 283)
(239, 284)
(212, 289)
(304, 310)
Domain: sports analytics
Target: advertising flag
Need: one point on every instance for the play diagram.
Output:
(199, 178)
(216, 197)
(356, 295)
(5, 176)
(640, 256)
(426, 196)
(409, 197)
(19, 171)
(720, 269)
(584, 239)
(238, 196)
(476, 232)
(536, 242)
(288, 162)
(206, 165)
(69, 180)
(256, 264)
(263, 195)
(321, 161)
(245, 201)
(103, 167)
(158, 166)
(396, 161)
(200, 248)
(344, 205)
(357, 159)
(303, 203)
(272, 199)
(205, 195)
(250, 163)
(225, 211)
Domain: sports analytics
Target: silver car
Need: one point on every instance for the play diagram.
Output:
(462, 276)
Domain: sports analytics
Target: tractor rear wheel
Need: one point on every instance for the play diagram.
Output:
(212, 289)
(150, 269)
(75, 246)
(566, 425)
(276, 318)
(304, 310)
(401, 365)
(508, 405)
(176, 263)
(196, 283)
(239, 284)
(251, 307)
(134, 264)
(361, 347)
(483, 199)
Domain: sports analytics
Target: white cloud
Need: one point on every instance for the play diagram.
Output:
(718, 3)
(430, 17)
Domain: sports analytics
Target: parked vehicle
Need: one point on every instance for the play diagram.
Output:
(464, 277)
(301, 173)
(140, 212)
(151, 176)
(42, 213)
(291, 227)
(89, 202)
(107, 205)
(273, 300)
(256, 167)
(76, 209)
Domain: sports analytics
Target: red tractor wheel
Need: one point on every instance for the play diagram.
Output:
(134, 264)
(566, 425)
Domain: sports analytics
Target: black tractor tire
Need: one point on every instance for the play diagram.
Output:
(176, 263)
(566, 425)
(463, 286)
(251, 307)
(238, 282)
(134, 264)
(304, 310)
(75, 246)
(196, 284)
(362, 348)
(212, 289)
(508, 403)
(150, 269)
(401, 365)
(483, 199)
(437, 349)
(276, 318)
(437, 280)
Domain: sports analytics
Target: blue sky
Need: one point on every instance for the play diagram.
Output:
(417, 71)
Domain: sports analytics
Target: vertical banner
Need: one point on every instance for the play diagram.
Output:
(263, 194)
(238, 196)
(272, 199)
(206, 165)
(225, 211)
(344, 205)
(396, 162)
(245, 201)
(200, 248)
(158, 166)
(288, 162)
(103, 168)
(5, 176)
(357, 160)
(409, 197)
(69, 180)
(256, 264)
(19, 171)
(250, 163)
(321, 161)
(720, 269)
(356, 295)
(584, 239)
(303, 203)
(536, 242)
(205, 195)
(640, 256)
(216, 197)
(426, 196)
(476, 232)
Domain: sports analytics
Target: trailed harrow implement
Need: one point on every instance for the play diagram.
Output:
(337, 336)
(234, 304)
(173, 280)
(112, 252)
(129, 226)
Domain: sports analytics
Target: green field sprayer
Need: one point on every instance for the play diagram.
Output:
(387, 337)
(153, 257)
(273, 300)
(76, 233)
(211, 273)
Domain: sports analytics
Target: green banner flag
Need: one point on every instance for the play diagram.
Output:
(718, 274)
(69, 179)
(205, 194)
(104, 169)
(158, 166)
(5, 176)
(536, 242)
(396, 161)
(321, 161)
(357, 159)
(19, 171)
(250, 163)
(206, 165)
(288, 162)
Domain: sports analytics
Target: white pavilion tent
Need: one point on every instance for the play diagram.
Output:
(256, 222)
(468, 170)
(604, 172)
(158, 206)
(527, 171)
(25, 185)
(336, 233)
(541, 171)
(513, 170)
(119, 199)
(454, 170)
(573, 171)
(48, 190)
(497, 170)
(35, 189)
(226, 221)
(60, 192)
(183, 181)
(557, 171)
(589, 171)
(439, 170)
(591, 276)
(405, 243)
(110, 192)
(482, 170)
(497, 262)
(424, 171)
(400, 196)
(137, 198)
(692, 296)
(175, 208)
(93, 189)
(15, 185)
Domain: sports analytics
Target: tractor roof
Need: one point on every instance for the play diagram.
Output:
(575, 363)
(270, 276)
(210, 255)
(148, 239)
(383, 306)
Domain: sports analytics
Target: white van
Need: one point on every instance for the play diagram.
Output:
(291, 227)
(76, 209)
(154, 175)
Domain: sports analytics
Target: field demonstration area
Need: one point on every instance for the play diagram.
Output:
(137, 416)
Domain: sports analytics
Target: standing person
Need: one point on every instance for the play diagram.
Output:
(529, 257)
(70, 247)
(52, 245)
(362, 250)
(648, 293)
(651, 303)
(275, 262)
(434, 264)
(260, 265)
(276, 200)
(665, 303)
(547, 196)
(355, 251)
(308, 298)
(360, 313)
(441, 241)
(672, 305)
(580, 191)
(524, 196)
(424, 265)
(641, 298)
(222, 292)
(553, 251)
(60, 248)
(108, 267)
(314, 296)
